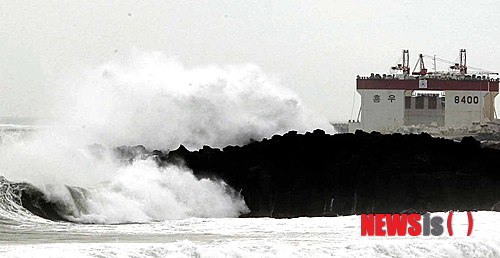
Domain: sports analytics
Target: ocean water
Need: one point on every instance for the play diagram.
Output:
(242, 237)
(131, 216)
(146, 211)
(142, 210)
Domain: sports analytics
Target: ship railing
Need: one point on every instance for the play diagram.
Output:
(438, 77)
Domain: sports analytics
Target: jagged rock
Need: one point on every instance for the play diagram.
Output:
(317, 174)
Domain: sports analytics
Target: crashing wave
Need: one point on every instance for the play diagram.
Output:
(21, 201)
(158, 102)
(141, 192)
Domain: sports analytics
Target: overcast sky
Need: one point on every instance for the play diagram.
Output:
(315, 48)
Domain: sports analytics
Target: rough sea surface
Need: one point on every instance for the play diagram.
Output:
(23, 234)
(242, 237)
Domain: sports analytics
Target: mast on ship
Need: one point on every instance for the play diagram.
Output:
(422, 98)
(462, 66)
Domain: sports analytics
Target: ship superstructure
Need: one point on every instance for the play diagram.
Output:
(452, 98)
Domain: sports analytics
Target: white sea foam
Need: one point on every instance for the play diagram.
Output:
(251, 237)
(110, 192)
(144, 192)
(157, 102)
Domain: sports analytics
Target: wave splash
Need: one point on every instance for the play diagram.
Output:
(139, 192)
(157, 102)
(153, 101)
(144, 192)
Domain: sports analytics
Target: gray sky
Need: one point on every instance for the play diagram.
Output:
(315, 48)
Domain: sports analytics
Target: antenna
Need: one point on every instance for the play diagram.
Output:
(434, 64)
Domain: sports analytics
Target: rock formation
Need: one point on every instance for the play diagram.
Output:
(316, 174)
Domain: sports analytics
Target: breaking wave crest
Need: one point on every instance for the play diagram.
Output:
(11, 209)
(139, 192)
(153, 101)
(144, 192)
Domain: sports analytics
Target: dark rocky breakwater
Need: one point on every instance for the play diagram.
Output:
(316, 174)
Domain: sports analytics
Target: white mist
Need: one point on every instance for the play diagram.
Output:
(157, 102)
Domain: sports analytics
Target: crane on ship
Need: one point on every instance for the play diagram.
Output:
(456, 68)
(458, 95)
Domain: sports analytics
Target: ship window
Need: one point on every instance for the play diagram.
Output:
(408, 102)
(432, 104)
(419, 102)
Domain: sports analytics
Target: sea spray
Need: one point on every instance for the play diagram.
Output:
(144, 192)
(157, 102)
(138, 192)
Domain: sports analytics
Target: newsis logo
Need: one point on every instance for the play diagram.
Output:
(412, 224)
